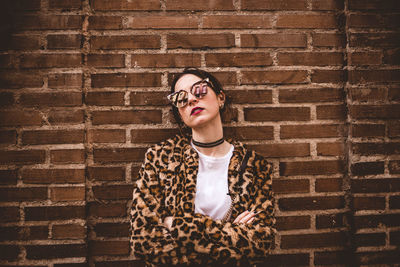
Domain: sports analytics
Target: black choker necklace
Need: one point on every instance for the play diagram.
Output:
(212, 144)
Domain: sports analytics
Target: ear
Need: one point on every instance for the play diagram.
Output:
(221, 98)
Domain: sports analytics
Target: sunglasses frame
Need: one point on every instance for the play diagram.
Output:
(198, 96)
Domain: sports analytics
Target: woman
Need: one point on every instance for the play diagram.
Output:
(201, 199)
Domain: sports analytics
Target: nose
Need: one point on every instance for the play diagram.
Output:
(192, 99)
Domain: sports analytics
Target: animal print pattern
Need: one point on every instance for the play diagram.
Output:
(167, 187)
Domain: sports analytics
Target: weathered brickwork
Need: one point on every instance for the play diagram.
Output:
(315, 87)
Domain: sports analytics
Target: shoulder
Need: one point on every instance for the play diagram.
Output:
(166, 148)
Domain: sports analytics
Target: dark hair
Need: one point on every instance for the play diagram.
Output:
(216, 86)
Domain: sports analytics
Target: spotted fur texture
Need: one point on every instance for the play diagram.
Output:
(166, 187)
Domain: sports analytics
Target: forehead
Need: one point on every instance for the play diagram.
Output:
(186, 81)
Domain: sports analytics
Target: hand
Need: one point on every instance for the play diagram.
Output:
(246, 217)
(168, 222)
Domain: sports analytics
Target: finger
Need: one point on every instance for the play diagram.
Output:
(251, 220)
(241, 215)
(247, 217)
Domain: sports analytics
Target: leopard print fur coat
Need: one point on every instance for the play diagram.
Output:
(166, 187)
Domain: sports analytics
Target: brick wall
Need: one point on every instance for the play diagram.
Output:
(314, 85)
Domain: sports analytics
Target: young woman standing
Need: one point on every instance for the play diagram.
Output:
(201, 199)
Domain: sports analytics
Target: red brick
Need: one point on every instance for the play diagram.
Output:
(388, 5)
(364, 58)
(105, 22)
(67, 193)
(335, 239)
(105, 98)
(65, 80)
(368, 94)
(52, 176)
(111, 155)
(65, 4)
(8, 62)
(327, 5)
(274, 77)
(111, 42)
(105, 5)
(21, 42)
(394, 129)
(248, 96)
(374, 40)
(23, 194)
(8, 137)
(8, 177)
(292, 222)
(126, 80)
(287, 259)
(149, 98)
(166, 60)
(113, 248)
(373, 221)
(65, 116)
(392, 57)
(66, 156)
(277, 40)
(112, 192)
(330, 221)
(117, 210)
(51, 213)
(310, 58)
(380, 185)
(26, 5)
(373, 21)
(237, 22)
(321, 167)
(282, 150)
(106, 136)
(51, 99)
(394, 238)
(61, 41)
(311, 131)
(106, 60)
(52, 137)
(200, 41)
(367, 168)
(24, 233)
(68, 231)
(250, 132)
(19, 118)
(328, 76)
(112, 229)
(33, 61)
(6, 99)
(200, 5)
(274, 5)
(366, 76)
(49, 22)
(388, 148)
(55, 251)
(388, 257)
(330, 149)
(331, 112)
(9, 252)
(383, 112)
(394, 166)
(310, 95)
(328, 40)
(277, 114)
(17, 80)
(126, 117)
(99, 173)
(311, 203)
(286, 186)
(238, 59)
(22, 157)
(9, 214)
(163, 22)
(394, 202)
(334, 257)
(369, 203)
(328, 185)
(294, 21)
(152, 135)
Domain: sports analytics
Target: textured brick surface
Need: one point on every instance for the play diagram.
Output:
(315, 88)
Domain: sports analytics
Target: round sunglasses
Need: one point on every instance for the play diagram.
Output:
(198, 89)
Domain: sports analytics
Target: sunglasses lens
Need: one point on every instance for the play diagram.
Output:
(199, 90)
(181, 99)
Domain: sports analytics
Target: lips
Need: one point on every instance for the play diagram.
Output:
(196, 110)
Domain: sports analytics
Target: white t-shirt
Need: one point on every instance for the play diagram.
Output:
(212, 197)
